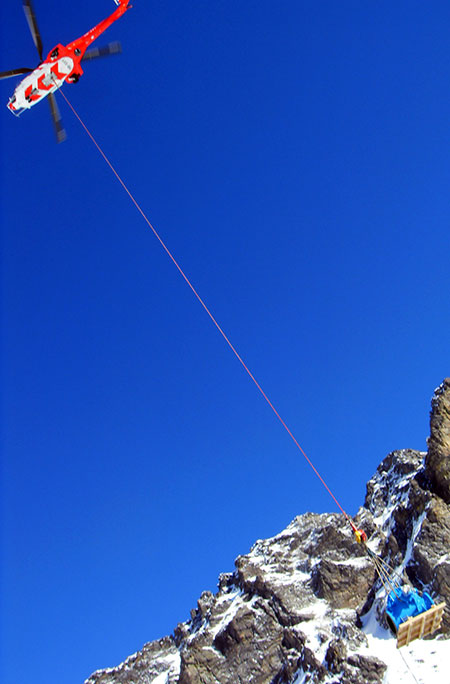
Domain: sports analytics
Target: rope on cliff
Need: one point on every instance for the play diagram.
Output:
(408, 668)
(188, 282)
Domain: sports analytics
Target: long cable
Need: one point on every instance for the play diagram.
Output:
(408, 668)
(188, 282)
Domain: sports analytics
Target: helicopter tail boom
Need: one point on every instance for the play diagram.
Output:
(81, 44)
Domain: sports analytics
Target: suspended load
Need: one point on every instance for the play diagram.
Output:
(412, 615)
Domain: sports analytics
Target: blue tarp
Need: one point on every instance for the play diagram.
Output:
(405, 603)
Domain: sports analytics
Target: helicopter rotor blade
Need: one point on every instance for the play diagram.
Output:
(60, 131)
(104, 51)
(32, 23)
(14, 72)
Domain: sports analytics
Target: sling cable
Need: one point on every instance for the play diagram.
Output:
(409, 614)
(360, 535)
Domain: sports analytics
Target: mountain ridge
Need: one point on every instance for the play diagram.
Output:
(306, 605)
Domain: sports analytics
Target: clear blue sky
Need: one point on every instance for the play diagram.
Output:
(295, 157)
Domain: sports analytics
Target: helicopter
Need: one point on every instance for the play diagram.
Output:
(62, 65)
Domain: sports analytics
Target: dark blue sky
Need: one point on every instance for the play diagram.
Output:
(295, 158)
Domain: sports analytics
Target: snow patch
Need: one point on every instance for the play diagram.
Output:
(317, 631)
(422, 659)
(238, 602)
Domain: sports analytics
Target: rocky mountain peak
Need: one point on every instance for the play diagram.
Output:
(307, 606)
(438, 457)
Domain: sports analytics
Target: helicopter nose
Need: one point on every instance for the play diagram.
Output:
(11, 106)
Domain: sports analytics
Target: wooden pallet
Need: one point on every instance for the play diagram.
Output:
(421, 625)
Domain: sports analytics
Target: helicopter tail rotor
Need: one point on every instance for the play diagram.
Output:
(104, 51)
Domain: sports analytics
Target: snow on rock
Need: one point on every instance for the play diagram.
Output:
(157, 663)
(423, 659)
(306, 606)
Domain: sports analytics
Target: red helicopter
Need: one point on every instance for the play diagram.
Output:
(62, 64)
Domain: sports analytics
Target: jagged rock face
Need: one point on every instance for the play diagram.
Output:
(430, 563)
(438, 458)
(411, 522)
(298, 606)
(256, 628)
(157, 663)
